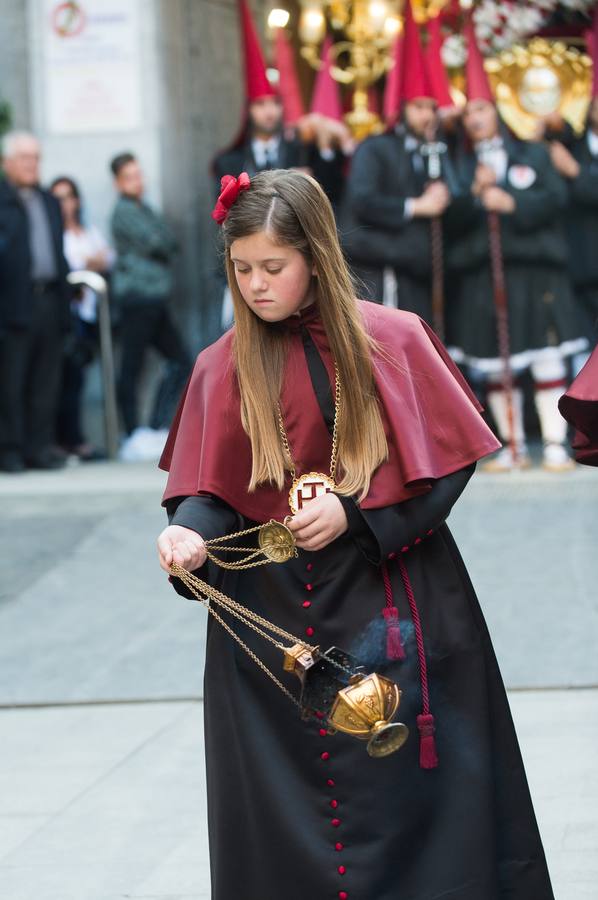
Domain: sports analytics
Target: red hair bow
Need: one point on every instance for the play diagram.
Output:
(230, 188)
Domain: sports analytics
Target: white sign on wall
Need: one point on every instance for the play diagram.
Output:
(92, 66)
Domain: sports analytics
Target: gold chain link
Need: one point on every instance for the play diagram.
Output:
(250, 618)
(195, 585)
(247, 562)
(334, 452)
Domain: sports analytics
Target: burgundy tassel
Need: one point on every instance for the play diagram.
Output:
(428, 758)
(394, 644)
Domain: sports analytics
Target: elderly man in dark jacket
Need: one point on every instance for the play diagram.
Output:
(34, 309)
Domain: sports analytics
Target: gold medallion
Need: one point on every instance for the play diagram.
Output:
(276, 541)
(307, 487)
(313, 484)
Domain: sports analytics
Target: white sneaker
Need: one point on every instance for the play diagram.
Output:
(556, 459)
(504, 461)
(158, 438)
(143, 445)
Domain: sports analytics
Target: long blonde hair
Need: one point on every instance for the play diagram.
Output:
(295, 212)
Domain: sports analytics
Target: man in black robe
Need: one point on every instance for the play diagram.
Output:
(397, 191)
(578, 164)
(390, 204)
(34, 310)
(264, 144)
(516, 182)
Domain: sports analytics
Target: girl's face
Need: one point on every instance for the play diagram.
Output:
(275, 281)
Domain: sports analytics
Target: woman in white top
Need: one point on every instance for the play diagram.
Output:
(84, 248)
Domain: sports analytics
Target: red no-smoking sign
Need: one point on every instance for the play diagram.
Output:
(68, 19)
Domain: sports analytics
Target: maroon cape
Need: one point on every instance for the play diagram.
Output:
(431, 418)
(579, 406)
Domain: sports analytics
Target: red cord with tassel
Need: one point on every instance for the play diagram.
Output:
(394, 644)
(428, 757)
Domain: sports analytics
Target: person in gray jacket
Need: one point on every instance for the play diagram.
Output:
(142, 285)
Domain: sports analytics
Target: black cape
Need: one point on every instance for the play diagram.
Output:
(294, 812)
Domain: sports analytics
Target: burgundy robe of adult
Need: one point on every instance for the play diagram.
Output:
(579, 406)
(294, 812)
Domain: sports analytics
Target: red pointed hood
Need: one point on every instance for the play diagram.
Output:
(477, 84)
(392, 90)
(436, 71)
(288, 86)
(416, 83)
(256, 80)
(326, 98)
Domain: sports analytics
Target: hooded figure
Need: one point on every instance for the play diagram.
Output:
(505, 226)
(266, 139)
(392, 194)
(578, 164)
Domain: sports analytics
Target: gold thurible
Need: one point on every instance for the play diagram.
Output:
(364, 709)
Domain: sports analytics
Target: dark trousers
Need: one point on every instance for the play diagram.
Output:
(144, 325)
(79, 352)
(30, 370)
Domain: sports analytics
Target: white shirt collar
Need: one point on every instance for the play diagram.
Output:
(593, 142)
(263, 149)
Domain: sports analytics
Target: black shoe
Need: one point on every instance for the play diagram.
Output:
(12, 462)
(46, 460)
(87, 453)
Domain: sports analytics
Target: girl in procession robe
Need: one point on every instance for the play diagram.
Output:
(293, 810)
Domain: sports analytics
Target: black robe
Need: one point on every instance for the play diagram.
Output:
(541, 308)
(386, 171)
(294, 812)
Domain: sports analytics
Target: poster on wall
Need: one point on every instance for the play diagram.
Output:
(92, 65)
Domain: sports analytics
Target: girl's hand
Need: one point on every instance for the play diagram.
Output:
(319, 523)
(182, 546)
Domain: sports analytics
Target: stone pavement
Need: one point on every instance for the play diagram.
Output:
(101, 779)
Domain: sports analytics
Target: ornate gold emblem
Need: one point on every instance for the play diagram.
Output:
(312, 484)
(538, 79)
(276, 542)
(307, 487)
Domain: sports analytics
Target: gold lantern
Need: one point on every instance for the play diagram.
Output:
(541, 78)
(366, 30)
(365, 708)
